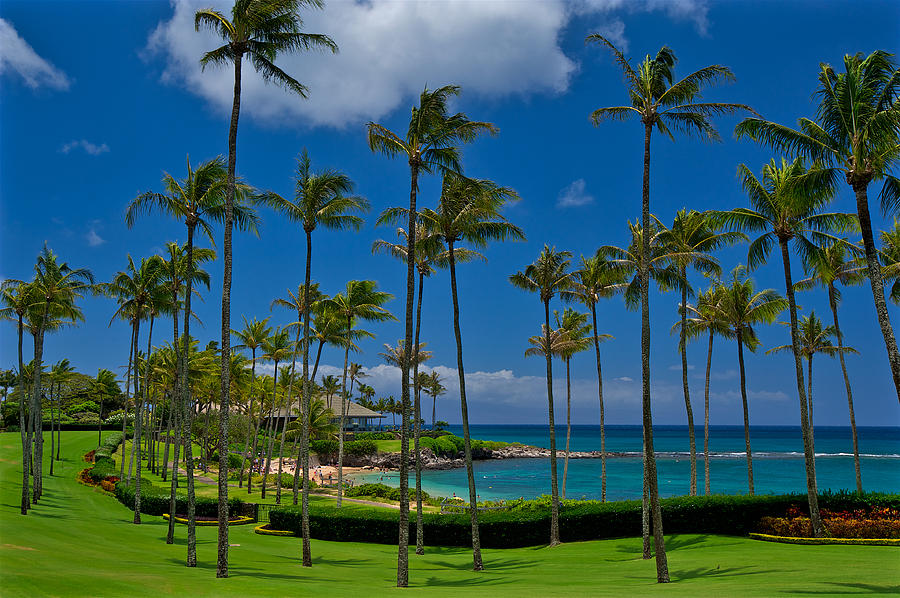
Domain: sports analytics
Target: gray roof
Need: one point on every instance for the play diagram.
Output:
(353, 410)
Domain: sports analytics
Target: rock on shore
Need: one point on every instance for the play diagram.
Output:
(432, 461)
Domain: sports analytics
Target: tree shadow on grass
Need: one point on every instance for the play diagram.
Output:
(496, 565)
(705, 572)
(462, 583)
(863, 588)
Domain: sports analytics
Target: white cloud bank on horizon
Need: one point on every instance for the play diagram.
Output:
(524, 398)
(390, 50)
(18, 56)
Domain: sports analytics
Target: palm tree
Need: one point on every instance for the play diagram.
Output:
(17, 297)
(742, 308)
(597, 278)
(546, 276)
(57, 287)
(259, 29)
(321, 423)
(61, 372)
(323, 198)
(704, 317)
(331, 385)
(813, 339)
(394, 356)
(575, 325)
(252, 336)
(691, 239)
(361, 302)
(431, 143)
(855, 133)
(278, 348)
(787, 207)
(828, 266)
(297, 302)
(434, 388)
(660, 269)
(105, 381)
(661, 102)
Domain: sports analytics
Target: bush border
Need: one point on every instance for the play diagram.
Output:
(261, 530)
(827, 541)
(242, 520)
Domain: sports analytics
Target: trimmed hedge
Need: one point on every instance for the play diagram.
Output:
(381, 491)
(155, 501)
(828, 541)
(353, 448)
(579, 521)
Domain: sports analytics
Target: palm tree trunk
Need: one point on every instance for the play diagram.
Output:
(165, 461)
(687, 391)
(706, 418)
(433, 409)
(24, 431)
(478, 564)
(812, 435)
(127, 392)
(417, 430)
(139, 423)
(186, 405)
(249, 425)
(306, 550)
(602, 410)
(272, 430)
(568, 428)
(137, 413)
(662, 567)
(876, 281)
(52, 429)
(344, 399)
(646, 550)
(554, 487)
(403, 541)
(805, 420)
(222, 543)
(175, 397)
(290, 400)
(173, 486)
(832, 300)
(316, 366)
(37, 463)
(740, 345)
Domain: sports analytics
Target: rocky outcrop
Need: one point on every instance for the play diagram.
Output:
(432, 461)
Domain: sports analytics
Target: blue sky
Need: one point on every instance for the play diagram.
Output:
(99, 99)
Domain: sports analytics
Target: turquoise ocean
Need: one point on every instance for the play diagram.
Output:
(777, 462)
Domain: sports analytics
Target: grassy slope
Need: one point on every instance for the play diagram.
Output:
(80, 542)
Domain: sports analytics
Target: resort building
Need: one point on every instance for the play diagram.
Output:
(358, 418)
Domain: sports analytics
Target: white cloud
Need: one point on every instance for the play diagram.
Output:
(19, 57)
(91, 148)
(624, 379)
(574, 195)
(389, 51)
(93, 237)
(677, 368)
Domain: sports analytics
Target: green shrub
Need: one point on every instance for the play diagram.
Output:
(234, 461)
(441, 446)
(529, 525)
(360, 448)
(88, 405)
(381, 491)
(155, 500)
(324, 447)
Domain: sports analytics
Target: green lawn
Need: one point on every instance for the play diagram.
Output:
(81, 542)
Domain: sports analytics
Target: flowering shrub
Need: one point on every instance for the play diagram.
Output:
(872, 522)
(109, 485)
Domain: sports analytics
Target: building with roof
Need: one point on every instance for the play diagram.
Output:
(357, 417)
